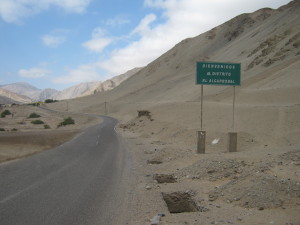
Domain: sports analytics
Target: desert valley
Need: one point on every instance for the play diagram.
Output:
(258, 184)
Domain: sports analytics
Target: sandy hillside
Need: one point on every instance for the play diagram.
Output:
(259, 184)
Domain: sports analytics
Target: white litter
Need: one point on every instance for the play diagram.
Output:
(155, 220)
(215, 141)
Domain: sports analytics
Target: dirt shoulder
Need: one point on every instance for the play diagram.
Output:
(21, 144)
(21, 137)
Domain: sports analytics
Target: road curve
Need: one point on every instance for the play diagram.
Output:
(82, 182)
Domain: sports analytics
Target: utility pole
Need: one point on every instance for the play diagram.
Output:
(105, 107)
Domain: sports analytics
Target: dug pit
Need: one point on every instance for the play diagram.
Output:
(154, 161)
(180, 202)
(164, 178)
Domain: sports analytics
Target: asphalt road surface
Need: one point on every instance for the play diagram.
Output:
(82, 182)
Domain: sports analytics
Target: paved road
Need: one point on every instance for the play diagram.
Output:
(84, 182)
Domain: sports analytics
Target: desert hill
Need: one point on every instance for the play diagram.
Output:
(265, 42)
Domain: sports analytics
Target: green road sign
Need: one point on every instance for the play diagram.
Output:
(217, 73)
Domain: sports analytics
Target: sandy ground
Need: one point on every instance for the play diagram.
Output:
(22, 138)
(259, 184)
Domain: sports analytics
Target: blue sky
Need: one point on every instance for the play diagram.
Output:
(60, 43)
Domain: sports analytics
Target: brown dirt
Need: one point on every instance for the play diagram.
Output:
(21, 138)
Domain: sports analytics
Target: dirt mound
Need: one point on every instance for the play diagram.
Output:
(260, 191)
(220, 169)
(291, 157)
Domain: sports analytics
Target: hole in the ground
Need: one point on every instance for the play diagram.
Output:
(154, 161)
(164, 178)
(179, 202)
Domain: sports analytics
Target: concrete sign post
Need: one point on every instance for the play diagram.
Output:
(218, 73)
(201, 142)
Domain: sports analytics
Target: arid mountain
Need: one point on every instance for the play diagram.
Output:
(47, 93)
(8, 97)
(91, 88)
(111, 83)
(22, 88)
(29, 91)
(75, 91)
(265, 42)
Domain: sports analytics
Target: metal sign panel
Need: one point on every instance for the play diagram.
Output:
(218, 73)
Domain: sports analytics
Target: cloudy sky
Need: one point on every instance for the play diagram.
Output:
(60, 43)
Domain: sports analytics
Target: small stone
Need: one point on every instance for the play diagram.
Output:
(212, 198)
(211, 171)
(148, 187)
(261, 208)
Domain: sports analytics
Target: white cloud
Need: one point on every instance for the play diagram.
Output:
(98, 32)
(53, 41)
(144, 26)
(34, 73)
(84, 73)
(77, 6)
(97, 45)
(12, 11)
(98, 41)
(182, 19)
(55, 38)
(116, 21)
